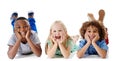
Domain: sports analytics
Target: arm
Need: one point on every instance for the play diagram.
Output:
(13, 49)
(82, 51)
(64, 51)
(36, 48)
(51, 50)
(100, 51)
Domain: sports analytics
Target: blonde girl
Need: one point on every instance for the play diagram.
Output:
(59, 42)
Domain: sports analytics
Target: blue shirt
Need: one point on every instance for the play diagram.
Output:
(91, 50)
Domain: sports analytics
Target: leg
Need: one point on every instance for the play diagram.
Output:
(101, 15)
(91, 17)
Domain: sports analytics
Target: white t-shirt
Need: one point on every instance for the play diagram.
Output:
(24, 48)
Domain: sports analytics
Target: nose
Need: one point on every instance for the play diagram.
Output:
(22, 29)
(57, 33)
(91, 33)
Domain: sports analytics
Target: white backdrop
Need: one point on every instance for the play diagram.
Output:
(71, 12)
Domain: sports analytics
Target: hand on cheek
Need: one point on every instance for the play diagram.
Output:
(17, 33)
(53, 38)
(87, 38)
(96, 38)
(28, 33)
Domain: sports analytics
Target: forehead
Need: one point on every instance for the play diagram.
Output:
(92, 27)
(57, 26)
(21, 22)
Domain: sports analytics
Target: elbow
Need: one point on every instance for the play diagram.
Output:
(67, 56)
(40, 53)
(104, 56)
(79, 56)
(10, 56)
(50, 56)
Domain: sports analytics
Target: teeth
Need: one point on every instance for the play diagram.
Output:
(23, 34)
(57, 37)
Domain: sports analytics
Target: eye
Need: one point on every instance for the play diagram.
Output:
(25, 26)
(18, 27)
(54, 31)
(59, 30)
(95, 31)
(89, 31)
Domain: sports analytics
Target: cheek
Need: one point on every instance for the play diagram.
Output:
(18, 30)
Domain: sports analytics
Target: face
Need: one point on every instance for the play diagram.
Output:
(21, 26)
(91, 32)
(58, 31)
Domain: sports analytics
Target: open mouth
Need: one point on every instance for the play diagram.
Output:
(23, 34)
(57, 37)
(92, 37)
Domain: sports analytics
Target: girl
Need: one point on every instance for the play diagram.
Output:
(59, 42)
(23, 41)
(93, 42)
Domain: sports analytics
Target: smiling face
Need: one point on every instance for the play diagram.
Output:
(58, 31)
(21, 26)
(91, 31)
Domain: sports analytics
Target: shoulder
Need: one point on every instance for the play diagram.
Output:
(13, 36)
(33, 33)
(83, 41)
(101, 42)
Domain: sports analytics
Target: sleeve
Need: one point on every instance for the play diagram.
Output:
(35, 38)
(72, 45)
(103, 45)
(81, 43)
(12, 40)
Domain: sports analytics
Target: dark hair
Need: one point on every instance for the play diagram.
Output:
(96, 24)
(15, 14)
(21, 18)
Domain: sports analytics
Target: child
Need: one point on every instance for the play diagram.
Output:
(100, 19)
(59, 42)
(23, 41)
(30, 19)
(93, 42)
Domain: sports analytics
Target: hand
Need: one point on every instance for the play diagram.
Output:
(87, 38)
(96, 38)
(53, 39)
(61, 40)
(18, 35)
(28, 33)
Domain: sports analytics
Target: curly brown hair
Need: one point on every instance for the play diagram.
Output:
(98, 25)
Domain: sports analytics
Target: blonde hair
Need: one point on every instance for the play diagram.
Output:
(49, 37)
